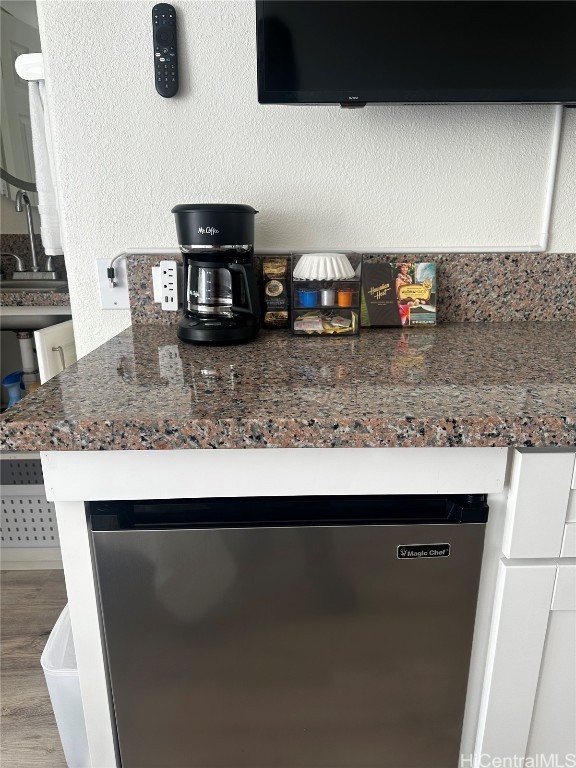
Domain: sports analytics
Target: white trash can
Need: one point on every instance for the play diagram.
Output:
(59, 664)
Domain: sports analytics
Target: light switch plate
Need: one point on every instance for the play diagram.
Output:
(117, 297)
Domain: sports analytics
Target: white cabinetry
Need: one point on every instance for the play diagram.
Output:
(522, 688)
(74, 477)
(528, 705)
(55, 348)
(553, 726)
(569, 540)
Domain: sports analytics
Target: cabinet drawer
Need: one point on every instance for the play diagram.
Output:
(569, 541)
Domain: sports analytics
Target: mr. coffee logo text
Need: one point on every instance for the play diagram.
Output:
(413, 551)
(208, 231)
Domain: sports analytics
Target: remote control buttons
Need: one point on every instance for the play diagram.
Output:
(164, 36)
(165, 54)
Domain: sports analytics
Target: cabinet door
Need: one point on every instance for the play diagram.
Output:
(528, 707)
(520, 620)
(55, 348)
(553, 728)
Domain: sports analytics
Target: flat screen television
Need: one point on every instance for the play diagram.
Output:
(353, 52)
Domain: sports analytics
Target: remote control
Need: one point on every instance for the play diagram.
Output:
(165, 50)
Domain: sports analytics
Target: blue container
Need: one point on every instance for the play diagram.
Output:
(14, 385)
(308, 297)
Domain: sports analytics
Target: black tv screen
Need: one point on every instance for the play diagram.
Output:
(406, 51)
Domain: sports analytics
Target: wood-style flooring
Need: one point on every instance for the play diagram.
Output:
(31, 603)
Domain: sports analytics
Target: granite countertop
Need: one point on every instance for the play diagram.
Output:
(476, 384)
(35, 299)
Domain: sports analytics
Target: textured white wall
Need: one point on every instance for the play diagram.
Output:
(320, 176)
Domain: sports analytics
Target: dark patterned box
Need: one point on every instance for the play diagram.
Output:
(398, 293)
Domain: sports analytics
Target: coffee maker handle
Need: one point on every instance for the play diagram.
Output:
(249, 277)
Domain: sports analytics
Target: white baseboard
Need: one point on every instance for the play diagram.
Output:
(30, 559)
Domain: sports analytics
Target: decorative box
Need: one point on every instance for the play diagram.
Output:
(398, 293)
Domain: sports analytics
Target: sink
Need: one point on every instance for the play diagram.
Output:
(32, 318)
(14, 286)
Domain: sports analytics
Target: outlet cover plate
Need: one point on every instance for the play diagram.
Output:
(113, 298)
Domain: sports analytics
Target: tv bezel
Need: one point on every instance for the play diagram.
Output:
(398, 97)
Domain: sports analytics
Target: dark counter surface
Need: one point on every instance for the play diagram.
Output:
(35, 298)
(466, 384)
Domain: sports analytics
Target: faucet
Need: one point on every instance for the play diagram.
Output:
(20, 266)
(49, 273)
(23, 202)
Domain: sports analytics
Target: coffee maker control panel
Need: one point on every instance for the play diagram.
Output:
(165, 49)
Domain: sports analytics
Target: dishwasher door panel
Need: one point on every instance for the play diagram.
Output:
(308, 647)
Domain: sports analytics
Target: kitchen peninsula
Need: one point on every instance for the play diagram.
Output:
(459, 409)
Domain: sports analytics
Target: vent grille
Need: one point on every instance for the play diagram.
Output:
(27, 520)
(21, 472)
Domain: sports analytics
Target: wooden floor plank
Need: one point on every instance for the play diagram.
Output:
(31, 742)
(31, 603)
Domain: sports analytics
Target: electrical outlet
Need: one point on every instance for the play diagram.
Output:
(169, 275)
(117, 297)
(157, 284)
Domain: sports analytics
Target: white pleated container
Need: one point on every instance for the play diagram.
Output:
(60, 670)
(323, 266)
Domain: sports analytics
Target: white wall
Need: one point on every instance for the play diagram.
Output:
(320, 176)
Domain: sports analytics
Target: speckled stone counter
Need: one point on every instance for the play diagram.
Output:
(477, 384)
(34, 299)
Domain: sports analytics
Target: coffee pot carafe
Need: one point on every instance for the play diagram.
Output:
(221, 298)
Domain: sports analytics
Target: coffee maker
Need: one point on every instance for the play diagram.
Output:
(221, 303)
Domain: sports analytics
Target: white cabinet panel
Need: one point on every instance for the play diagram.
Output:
(55, 348)
(71, 475)
(571, 516)
(538, 503)
(569, 541)
(520, 619)
(88, 643)
(564, 598)
(553, 730)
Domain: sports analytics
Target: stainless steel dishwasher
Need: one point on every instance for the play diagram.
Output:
(294, 632)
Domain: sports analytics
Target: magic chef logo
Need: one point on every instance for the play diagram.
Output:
(414, 551)
(208, 231)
